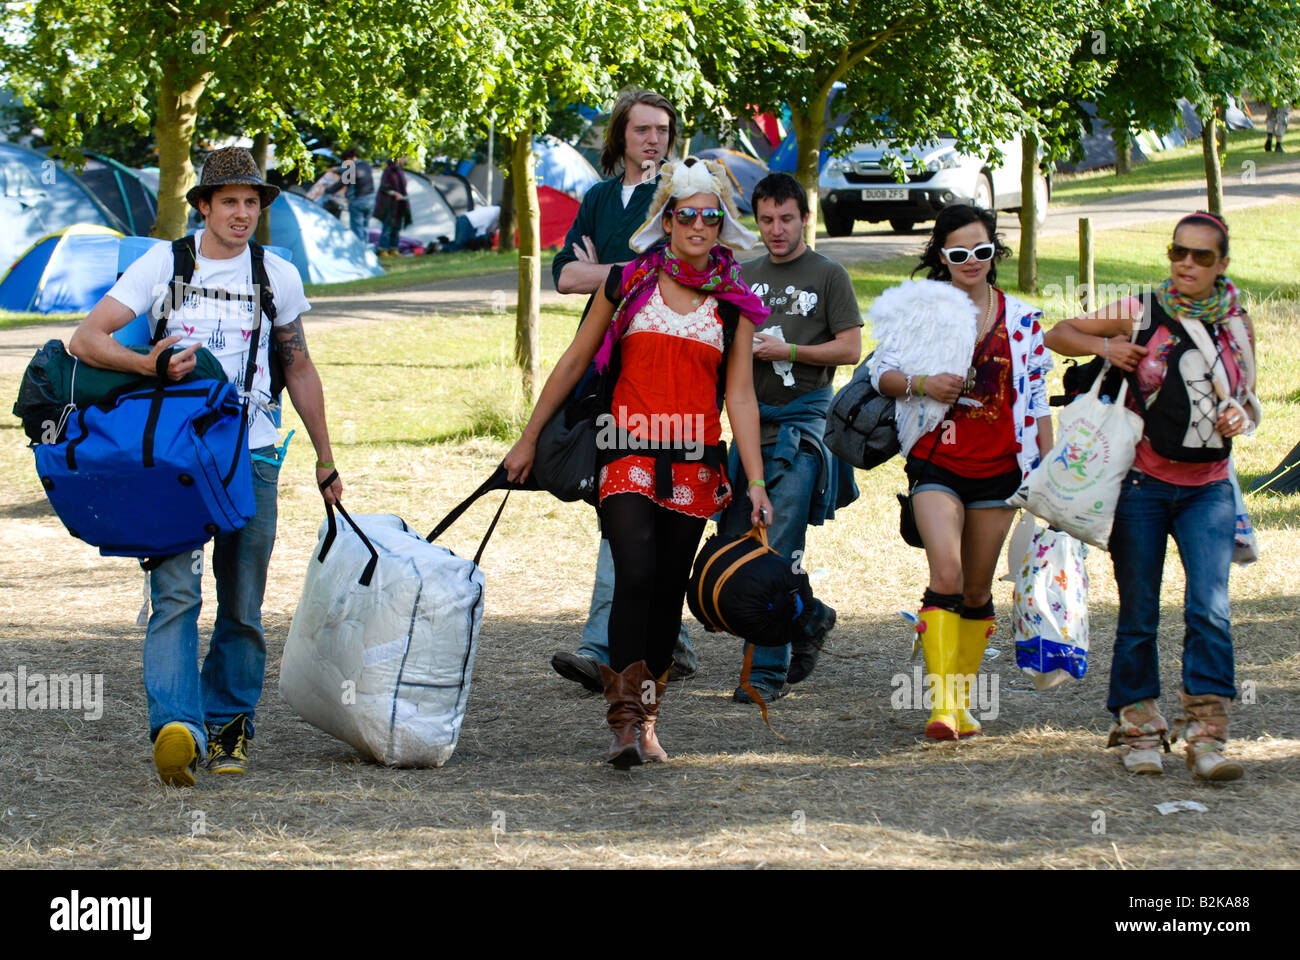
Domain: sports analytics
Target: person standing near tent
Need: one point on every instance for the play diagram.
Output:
(392, 208)
(191, 712)
(357, 181)
(639, 137)
(815, 325)
(1192, 367)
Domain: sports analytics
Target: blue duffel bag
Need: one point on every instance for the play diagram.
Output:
(153, 472)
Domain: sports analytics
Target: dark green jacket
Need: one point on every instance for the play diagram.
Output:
(610, 225)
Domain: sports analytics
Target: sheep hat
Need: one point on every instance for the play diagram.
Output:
(685, 179)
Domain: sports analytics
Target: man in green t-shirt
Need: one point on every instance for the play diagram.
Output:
(815, 325)
(638, 138)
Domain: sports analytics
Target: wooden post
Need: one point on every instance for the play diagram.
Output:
(527, 346)
(1086, 275)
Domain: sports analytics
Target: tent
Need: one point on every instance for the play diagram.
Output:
(123, 191)
(38, 198)
(558, 211)
(432, 218)
(323, 249)
(1285, 477)
(745, 173)
(66, 272)
(563, 168)
(459, 193)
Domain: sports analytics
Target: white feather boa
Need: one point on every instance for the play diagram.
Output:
(922, 327)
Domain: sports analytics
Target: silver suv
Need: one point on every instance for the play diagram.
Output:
(861, 185)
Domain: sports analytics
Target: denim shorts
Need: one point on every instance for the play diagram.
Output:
(975, 493)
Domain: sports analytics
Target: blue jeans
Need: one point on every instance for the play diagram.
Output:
(595, 633)
(791, 498)
(360, 210)
(231, 679)
(1202, 520)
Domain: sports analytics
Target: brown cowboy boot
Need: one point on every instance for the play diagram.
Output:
(1139, 732)
(623, 693)
(651, 751)
(1204, 727)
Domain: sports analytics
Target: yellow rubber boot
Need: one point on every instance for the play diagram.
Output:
(940, 630)
(972, 642)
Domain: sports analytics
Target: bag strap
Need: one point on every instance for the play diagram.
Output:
(368, 573)
(497, 481)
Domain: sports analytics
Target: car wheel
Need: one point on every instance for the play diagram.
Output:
(899, 225)
(983, 192)
(837, 224)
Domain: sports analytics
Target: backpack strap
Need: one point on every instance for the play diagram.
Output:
(262, 281)
(183, 263)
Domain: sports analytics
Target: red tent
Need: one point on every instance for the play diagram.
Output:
(558, 210)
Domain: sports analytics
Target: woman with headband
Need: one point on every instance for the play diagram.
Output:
(1188, 349)
(676, 327)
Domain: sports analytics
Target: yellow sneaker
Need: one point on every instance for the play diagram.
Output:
(176, 755)
(228, 747)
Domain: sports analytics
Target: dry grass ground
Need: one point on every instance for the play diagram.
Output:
(853, 783)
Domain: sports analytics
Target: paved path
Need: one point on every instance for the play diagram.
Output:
(496, 292)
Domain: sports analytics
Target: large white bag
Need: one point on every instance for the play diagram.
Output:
(1049, 612)
(381, 649)
(1076, 487)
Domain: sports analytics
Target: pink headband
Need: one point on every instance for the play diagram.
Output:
(1204, 216)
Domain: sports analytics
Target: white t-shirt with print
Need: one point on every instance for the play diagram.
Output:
(224, 326)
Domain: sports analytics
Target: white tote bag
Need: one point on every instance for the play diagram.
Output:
(1049, 609)
(1076, 487)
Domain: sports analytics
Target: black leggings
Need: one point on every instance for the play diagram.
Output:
(653, 549)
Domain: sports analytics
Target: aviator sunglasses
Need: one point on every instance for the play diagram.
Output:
(1203, 257)
(956, 255)
(712, 216)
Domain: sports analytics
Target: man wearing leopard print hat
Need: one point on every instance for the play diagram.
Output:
(193, 711)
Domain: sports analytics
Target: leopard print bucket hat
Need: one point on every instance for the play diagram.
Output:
(231, 165)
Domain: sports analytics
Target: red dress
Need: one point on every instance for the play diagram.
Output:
(667, 391)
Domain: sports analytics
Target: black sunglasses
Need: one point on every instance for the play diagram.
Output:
(712, 216)
(1205, 258)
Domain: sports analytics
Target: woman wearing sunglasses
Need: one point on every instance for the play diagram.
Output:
(676, 327)
(1188, 349)
(969, 441)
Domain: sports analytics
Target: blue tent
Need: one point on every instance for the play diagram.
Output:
(322, 248)
(745, 173)
(66, 272)
(38, 198)
(561, 167)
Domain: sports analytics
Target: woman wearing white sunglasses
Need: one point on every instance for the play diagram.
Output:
(969, 440)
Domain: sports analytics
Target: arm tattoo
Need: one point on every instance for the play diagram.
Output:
(292, 341)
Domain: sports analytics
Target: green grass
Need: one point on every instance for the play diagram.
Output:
(404, 272)
(10, 319)
(1181, 166)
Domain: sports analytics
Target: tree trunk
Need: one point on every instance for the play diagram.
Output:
(527, 345)
(1029, 213)
(261, 146)
(506, 221)
(809, 128)
(1123, 161)
(174, 129)
(1213, 172)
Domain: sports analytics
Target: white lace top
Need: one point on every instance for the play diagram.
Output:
(700, 325)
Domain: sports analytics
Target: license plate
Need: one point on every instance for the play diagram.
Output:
(890, 193)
